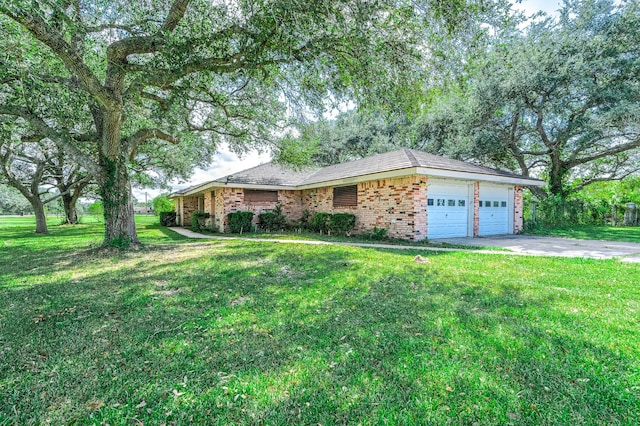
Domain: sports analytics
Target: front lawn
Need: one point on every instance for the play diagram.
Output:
(587, 232)
(236, 332)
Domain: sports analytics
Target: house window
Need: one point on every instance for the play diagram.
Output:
(440, 202)
(487, 203)
(451, 203)
(503, 204)
(462, 203)
(430, 202)
(496, 204)
(260, 196)
(345, 196)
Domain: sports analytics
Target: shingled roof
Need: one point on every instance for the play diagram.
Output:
(268, 174)
(271, 174)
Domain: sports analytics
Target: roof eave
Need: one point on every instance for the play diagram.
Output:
(483, 177)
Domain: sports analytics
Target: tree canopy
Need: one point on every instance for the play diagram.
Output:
(116, 83)
(559, 99)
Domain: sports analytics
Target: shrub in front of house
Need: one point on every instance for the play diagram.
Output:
(240, 222)
(320, 223)
(341, 223)
(376, 234)
(168, 218)
(273, 221)
(199, 220)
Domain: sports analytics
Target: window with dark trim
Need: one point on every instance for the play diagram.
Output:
(345, 196)
(260, 196)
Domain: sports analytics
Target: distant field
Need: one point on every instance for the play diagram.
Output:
(242, 332)
(29, 220)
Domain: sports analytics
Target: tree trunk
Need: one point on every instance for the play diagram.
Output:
(70, 212)
(41, 217)
(115, 189)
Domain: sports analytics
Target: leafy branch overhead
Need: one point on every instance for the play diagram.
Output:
(136, 78)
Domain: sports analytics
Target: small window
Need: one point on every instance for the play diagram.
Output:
(451, 203)
(503, 204)
(345, 196)
(487, 203)
(496, 204)
(260, 196)
(430, 202)
(441, 202)
(461, 203)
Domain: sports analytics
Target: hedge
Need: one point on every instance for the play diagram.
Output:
(240, 222)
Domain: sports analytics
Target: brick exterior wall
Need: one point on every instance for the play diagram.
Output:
(230, 200)
(518, 224)
(398, 205)
(189, 205)
(476, 208)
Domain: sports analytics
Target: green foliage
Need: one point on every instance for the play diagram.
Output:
(240, 222)
(320, 222)
(96, 209)
(168, 219)
(341, 223)
(13, 202)
(557, 99)
(376, 234)
(198, 220)
(162, 204)
(350, 136)
(273, 221)
(121, 243)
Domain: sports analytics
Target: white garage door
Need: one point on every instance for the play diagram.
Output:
(494, 210)
(448, 211)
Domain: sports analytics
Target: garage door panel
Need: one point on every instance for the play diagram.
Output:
(448, 211)
(494, 210)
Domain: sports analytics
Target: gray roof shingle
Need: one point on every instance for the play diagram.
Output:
(271, 174)
(268, 174)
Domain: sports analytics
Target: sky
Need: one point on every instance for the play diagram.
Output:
(226, 162)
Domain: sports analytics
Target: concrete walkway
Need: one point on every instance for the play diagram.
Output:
(518, 245)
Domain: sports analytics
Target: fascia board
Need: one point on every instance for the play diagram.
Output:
(479, 177)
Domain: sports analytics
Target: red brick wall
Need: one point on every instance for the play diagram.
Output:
(398, 205)
(517, 209)
(189, 205)
(476, 208)
(230, 200)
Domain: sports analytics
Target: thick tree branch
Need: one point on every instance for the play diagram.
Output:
(56, 42)
(60, 138)
(143, 135)
(606, 153)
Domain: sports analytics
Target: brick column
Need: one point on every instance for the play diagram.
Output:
(476, 208)
(420, 195)
(517, 209)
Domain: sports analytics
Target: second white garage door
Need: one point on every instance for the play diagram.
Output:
(448, 210)
(494, 210)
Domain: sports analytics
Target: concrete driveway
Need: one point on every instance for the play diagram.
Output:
(553, 246)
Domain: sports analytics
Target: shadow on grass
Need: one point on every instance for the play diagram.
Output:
(251, 333)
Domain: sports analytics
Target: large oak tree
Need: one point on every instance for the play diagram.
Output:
(558, 99)
(133, 75)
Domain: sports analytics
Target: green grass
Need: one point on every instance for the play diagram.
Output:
(584, 232)
(313, 236)
(235, 332)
